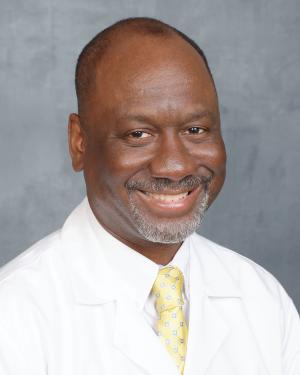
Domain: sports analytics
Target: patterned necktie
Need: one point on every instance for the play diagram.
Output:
(171, 325)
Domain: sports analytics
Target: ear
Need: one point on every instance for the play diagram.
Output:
(77, 144)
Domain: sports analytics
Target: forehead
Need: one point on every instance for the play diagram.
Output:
(154, 74)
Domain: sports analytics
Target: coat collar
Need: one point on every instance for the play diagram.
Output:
(90, 270)
(216, 279)
(85, 265)
(96, 262)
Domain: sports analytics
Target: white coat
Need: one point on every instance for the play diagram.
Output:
(62, 314)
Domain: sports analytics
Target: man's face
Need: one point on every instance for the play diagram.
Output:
(154, 158)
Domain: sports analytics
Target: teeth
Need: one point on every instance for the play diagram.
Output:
(168, 198)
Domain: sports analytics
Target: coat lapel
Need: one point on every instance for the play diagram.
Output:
(208, 330)
(138, 342)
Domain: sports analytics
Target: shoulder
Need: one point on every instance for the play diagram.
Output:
(27, 300)
(31, 272)
(252, 279)
(32, 258)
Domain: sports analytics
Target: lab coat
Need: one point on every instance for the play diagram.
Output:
(61, 313)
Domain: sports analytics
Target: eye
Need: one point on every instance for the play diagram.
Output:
(139, 134)
(195, 130)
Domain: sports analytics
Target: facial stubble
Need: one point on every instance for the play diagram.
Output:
(168, 231)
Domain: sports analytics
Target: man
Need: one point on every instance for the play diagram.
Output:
(126, 286)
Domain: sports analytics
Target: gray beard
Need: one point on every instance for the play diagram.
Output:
(170, 230)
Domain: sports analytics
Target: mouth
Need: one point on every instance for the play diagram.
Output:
(169, 204)
(168, 197)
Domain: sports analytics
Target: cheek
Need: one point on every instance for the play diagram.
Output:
(123, 160)
(213, 157)
(217, 158)
(108, 170)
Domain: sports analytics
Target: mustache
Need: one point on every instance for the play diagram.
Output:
(161, 184)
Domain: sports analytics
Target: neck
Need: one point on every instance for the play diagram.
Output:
(159, 253)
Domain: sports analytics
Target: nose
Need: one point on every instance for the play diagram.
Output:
(172, 159)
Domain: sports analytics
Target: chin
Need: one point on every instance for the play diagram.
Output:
(168, 230)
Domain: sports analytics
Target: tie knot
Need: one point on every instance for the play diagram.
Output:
(167, 288)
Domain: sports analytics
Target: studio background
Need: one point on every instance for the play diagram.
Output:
(253, 50)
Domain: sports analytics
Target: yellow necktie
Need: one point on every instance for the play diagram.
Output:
(171, 325)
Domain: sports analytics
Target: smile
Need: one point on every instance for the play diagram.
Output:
(169, 204)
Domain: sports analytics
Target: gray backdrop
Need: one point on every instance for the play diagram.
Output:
(253, 50)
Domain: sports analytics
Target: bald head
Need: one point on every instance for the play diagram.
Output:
(94, 52)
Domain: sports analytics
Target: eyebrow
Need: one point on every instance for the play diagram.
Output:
(197, 115)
